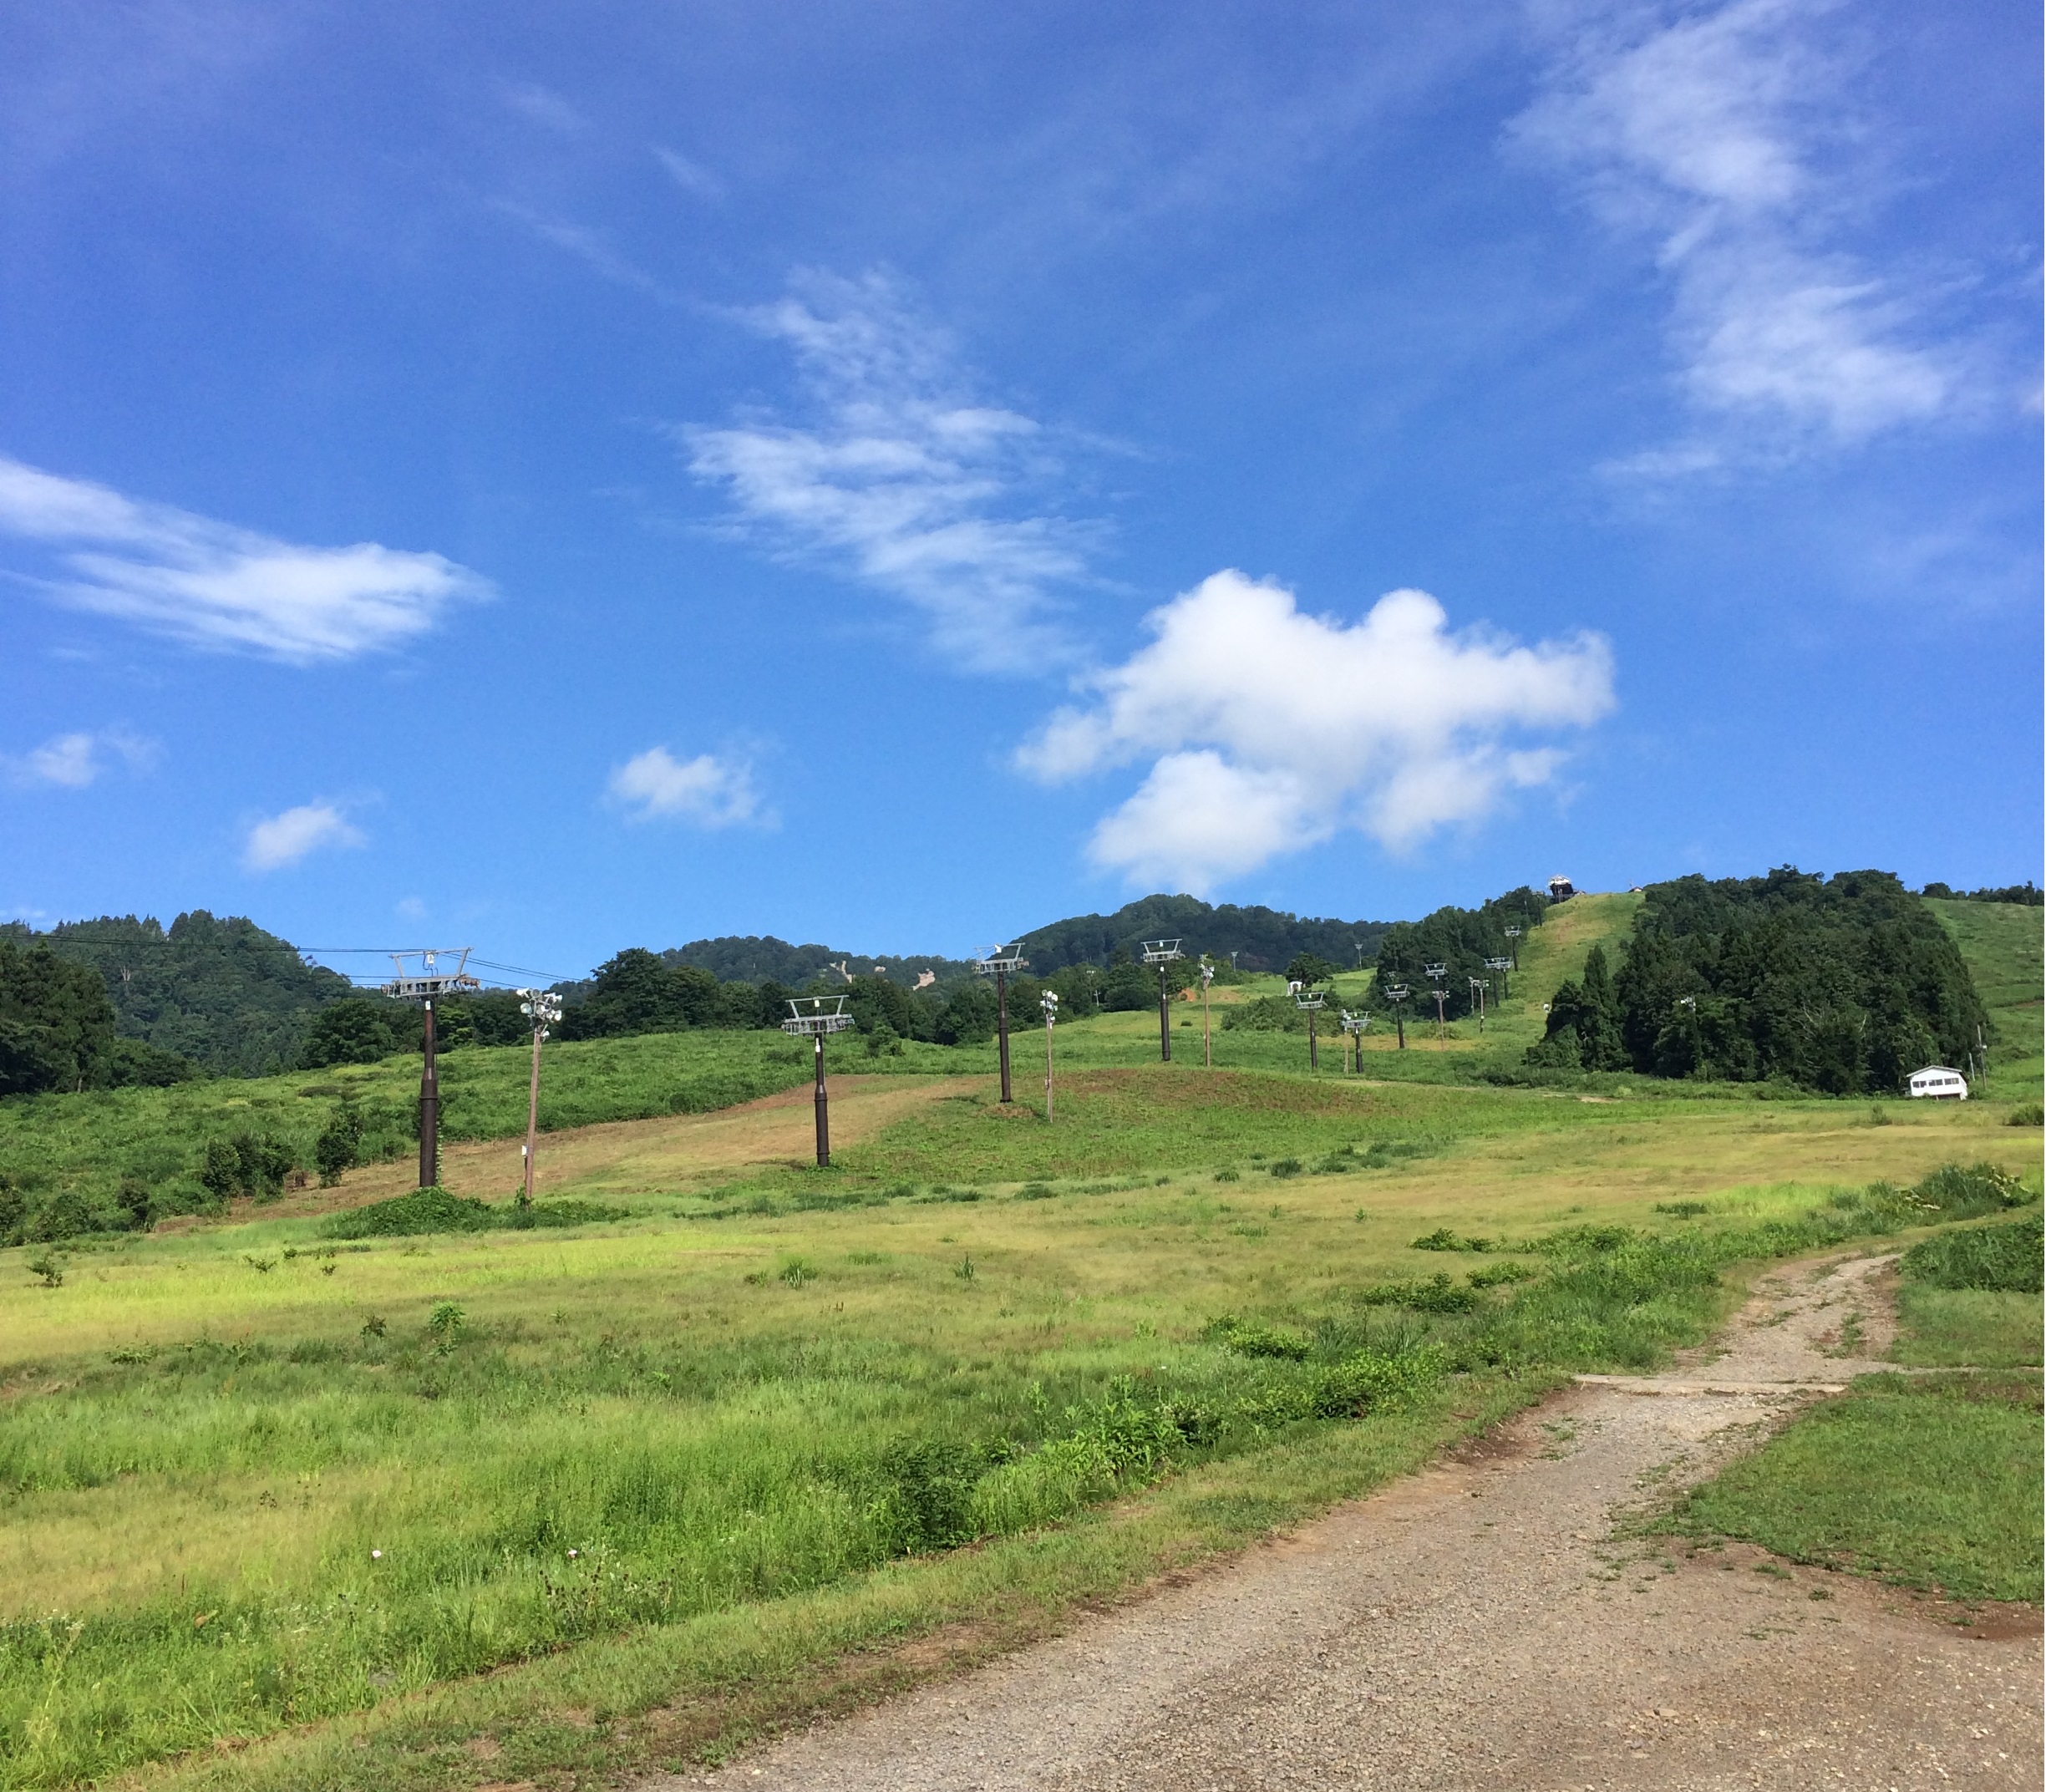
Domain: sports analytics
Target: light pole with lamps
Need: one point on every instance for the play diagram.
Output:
(543, 1009)
(1049, 1003)
(1310, 1001)
(1206, 971)
(1436, 972)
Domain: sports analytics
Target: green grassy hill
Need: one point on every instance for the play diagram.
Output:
(2002, 944)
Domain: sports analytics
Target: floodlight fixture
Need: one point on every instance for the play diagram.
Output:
(1161, 954)
(426, 984)
(812, 1019)
(543, 1008)
(1002, 961)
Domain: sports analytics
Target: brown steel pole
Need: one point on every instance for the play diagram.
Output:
(1206, 1023)
(1050, 1069)
(1313, 1013)
(430, 1101)
(534, 1105)
(1164, 1014)
(1003, 1042)
(818, 1097)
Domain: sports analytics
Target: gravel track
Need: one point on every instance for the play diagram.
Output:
(1475, 1626)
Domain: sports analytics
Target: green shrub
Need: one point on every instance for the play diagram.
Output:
(435, 1210)
(1445, 1239)
(2007, 1258)
(1250, 1339)
(2030, 1114)
(1439, 1295)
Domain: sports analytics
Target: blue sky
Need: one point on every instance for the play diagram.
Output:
(555, 479)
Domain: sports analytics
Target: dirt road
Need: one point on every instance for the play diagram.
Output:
(1475, 1626)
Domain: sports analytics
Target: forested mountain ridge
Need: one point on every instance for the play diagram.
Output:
(1264, 939)
(221, 992)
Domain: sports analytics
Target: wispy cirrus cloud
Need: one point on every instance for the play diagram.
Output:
(1716, 136)
(281, 840)
(78, 760)
(899, 477)
(710, 791)
(212, 585)
(1271, 729)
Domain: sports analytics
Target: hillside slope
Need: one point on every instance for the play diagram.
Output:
(2003, 945)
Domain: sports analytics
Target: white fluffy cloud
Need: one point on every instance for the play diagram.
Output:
(1709, 133)
(899, 478)
(707, 791)
(72, 762)
(1270, 730)
(212, 585)
(283, 840)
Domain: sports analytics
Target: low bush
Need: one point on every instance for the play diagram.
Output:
(1445, 1239)
(436, 1210)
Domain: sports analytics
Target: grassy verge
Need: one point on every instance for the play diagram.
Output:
(1935, 1483)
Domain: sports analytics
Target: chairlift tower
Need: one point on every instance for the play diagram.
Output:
(1002, 961)
(1502, 968)
(1310, 1001)
(426, 987)
(1397, 994)
(1049, 1003)
(1161, 954)
(1355, 1024)
(543, 1010)
(1436, 972)
(812, 1019)
(1206, 971)
(1512, 935)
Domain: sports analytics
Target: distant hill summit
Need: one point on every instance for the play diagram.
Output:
(1263, 939)
(760, 958)
(222, 992)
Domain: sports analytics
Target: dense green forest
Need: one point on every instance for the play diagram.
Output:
(57, 1029)
(1843, 985)
(233, 999)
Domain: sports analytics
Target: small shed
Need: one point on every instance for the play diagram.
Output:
(1938, 1083)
